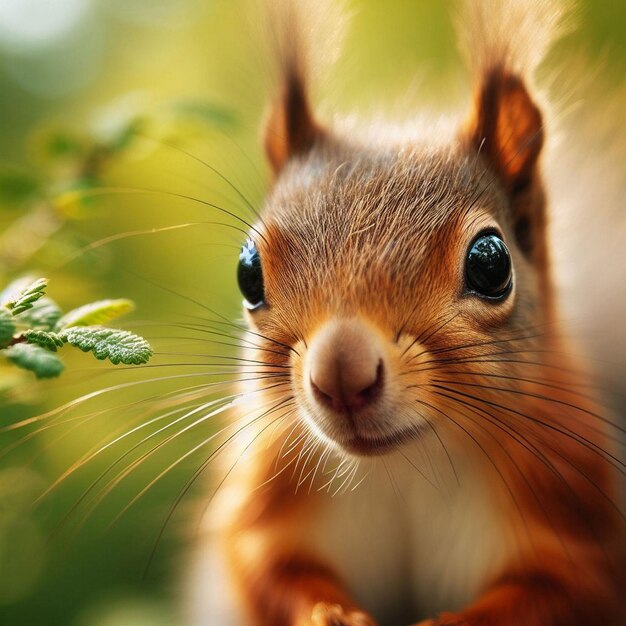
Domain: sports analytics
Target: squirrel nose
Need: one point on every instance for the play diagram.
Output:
(346, 369)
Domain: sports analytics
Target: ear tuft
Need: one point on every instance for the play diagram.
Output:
(507, 129)
(504, 42)
(290, 129)
(304, 37)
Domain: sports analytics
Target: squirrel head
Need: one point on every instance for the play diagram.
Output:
(391, 266)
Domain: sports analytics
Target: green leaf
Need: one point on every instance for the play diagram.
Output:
(7, 328)
(44, 314)
(42, 363)
(14, 288)
(99, 313)
(119, 346)
(48, 340)
(24, 299)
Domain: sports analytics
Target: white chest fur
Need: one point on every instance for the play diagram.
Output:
(406, 546)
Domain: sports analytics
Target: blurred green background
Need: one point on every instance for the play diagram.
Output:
(141, 95)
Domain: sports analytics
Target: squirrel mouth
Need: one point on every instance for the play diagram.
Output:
(380, 444)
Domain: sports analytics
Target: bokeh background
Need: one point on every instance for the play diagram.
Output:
(151, 100)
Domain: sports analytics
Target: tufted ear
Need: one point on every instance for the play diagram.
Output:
(304, 37)
(291, 129)
(506, 129)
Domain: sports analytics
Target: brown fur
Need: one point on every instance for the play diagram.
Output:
(378, 230)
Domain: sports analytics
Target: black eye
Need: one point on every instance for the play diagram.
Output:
(250, 276)
(488, 266)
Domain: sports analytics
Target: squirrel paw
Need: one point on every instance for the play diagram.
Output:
(324, 614)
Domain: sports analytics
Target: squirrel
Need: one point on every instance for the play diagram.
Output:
(420, 445)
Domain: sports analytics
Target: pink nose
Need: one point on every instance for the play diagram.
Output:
(346, 368)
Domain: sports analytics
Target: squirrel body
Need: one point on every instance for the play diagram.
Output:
(414, 546)
(419, 443)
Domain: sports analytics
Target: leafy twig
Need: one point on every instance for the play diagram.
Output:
(32, 329)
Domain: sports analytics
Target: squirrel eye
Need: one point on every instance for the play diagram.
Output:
(250, 276)
(488, 270)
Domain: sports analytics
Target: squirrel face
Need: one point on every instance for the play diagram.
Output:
(375, 266)
(393, 270)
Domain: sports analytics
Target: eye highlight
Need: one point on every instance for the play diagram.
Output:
(250, 276)
(488, 267)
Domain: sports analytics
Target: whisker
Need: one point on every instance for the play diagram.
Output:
(525, 442)
(177, 148)
(82, 419)
(220, 343)
(418, 470)
(123, 474)
(426, 335)
(187, 454)
(105, 191)
(99, 450)
(537, 396)
(489, 458)
(207, 505)
(95, 394)
(313, 447)
(477, 344)
(238, 359)
(325, 454)
(392, 480)
(198, 472)
(99, 243)
(348, 479)
(593, 447)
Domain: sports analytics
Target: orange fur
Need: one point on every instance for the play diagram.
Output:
(377, 231)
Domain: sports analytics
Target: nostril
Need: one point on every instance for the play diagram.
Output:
(344, 397)
(371, 392)
(322, 396)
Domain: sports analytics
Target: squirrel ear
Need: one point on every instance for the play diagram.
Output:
(506, 127)
(290, 129)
